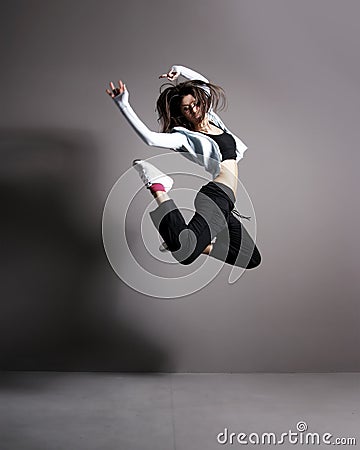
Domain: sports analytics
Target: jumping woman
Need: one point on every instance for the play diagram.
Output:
(191, 126)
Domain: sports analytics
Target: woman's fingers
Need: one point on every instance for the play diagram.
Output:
(171, 75)
(122, 86)
(114, 91)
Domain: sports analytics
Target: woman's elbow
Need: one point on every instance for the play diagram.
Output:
(150, 140)
(147, 140)
(151, 143)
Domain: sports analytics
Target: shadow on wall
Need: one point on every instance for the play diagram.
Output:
(59, 309)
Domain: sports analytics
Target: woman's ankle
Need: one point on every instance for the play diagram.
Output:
(208, 249)
(160, 196)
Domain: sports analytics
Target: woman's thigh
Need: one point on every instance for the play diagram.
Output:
(235, 246)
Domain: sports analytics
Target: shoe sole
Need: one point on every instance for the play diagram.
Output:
(137, 161)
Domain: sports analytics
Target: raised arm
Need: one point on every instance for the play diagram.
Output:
(120, 95)
(176, 70)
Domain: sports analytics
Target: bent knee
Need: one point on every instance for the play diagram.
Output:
(254, 261)
(187, 261)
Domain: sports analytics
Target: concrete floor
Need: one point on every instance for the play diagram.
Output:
(107, 411)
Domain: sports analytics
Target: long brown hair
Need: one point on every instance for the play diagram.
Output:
(168, 104)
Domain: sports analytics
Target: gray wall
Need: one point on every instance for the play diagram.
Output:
(291, 72)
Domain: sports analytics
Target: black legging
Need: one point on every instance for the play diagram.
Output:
(213, 218)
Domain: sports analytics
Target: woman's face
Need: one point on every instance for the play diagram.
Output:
(190, 109)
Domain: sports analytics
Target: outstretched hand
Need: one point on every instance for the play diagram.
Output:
(171, 75)
(114, 91)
